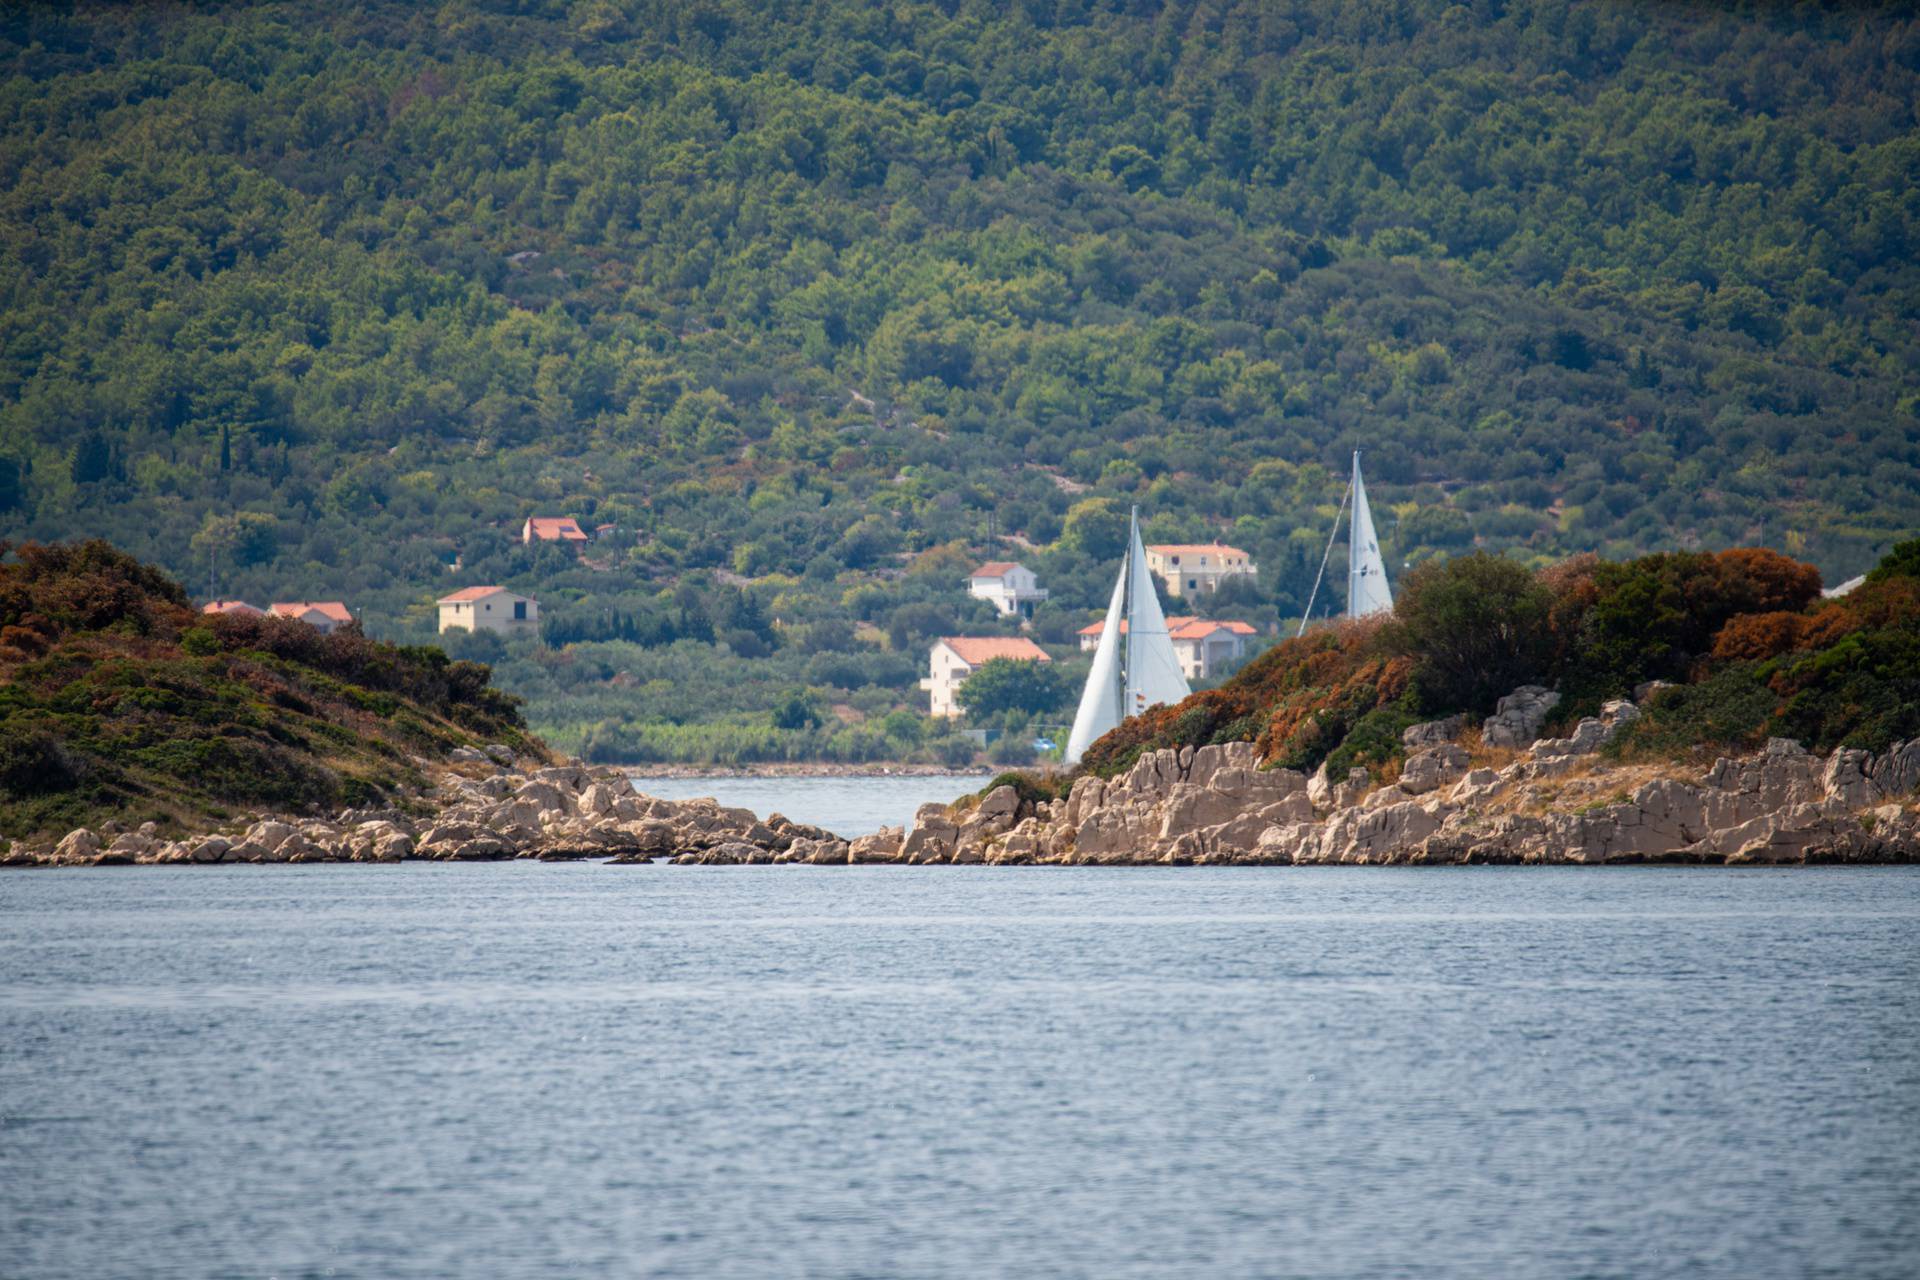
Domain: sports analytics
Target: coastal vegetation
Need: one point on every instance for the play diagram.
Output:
(119, 700)
(810, 305)
(1723, 650)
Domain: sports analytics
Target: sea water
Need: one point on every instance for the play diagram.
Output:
(848, 805)
(545, 1070)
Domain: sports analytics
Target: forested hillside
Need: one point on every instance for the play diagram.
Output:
(814, 302)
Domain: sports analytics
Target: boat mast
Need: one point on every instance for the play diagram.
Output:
(1125, 669)
(1354, 566)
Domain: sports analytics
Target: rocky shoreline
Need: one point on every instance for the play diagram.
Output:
(1552, 801)
(1460, 798)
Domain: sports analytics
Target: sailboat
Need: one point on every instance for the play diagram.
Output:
(1134, 666)
(1367, 589)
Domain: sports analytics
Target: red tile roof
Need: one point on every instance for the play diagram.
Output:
(295, 608)
(553, 529)
(1201, 628)
(974, 650)
(995, 569)
(470, 593)
(229, 606)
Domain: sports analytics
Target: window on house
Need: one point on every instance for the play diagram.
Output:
(1192, 584)
(519, 610)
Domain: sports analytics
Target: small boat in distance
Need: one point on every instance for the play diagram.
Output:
(1367, 589)
(1134, 666)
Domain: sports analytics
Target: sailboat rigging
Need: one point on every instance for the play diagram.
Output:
(1367, 589)
(1134, 666)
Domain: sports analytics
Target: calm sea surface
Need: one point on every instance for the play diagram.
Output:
(847, 806)
(581, 1070)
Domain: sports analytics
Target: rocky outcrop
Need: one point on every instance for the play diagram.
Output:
(1556, 803)
(485, 809)
(1517, 718)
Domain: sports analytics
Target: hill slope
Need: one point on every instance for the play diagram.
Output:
(318, 305)
(118, 699)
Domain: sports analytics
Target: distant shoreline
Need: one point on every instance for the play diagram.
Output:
(800, 769)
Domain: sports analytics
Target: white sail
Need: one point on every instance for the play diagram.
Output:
(1100, 701)
(1153, 672)
(1367, 589)
(1134, 666)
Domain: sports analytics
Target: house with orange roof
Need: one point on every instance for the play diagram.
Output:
(1206, 647)
(954, 658)
(324, 616)
(232, 606)
(552, 529)
(1009, 587)
(1194, 568)
(487, 609)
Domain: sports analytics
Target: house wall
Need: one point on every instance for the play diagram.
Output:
(946, 672)
(495, 613)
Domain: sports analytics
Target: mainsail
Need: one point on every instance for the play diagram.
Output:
(1367, 590)
(1134, 666)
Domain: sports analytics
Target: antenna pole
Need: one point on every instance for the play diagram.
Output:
(1306, 614)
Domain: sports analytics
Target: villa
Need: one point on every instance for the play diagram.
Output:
(1206, 647)
(954, 658)
(324, 616)
(1010, 587)
(552, 529)
(1191, 568)
(487, 609)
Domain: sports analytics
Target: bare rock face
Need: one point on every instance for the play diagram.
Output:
(883, 845)
(1591, 733)
(1517, 718)
(1352, 791)
(1432, 733)
(933, 837)
(467, 755)
(1433, 768)
(78, 845)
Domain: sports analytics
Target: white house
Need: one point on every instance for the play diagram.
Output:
(954, 658)
(487, 609)
(1011, 587)
(1191, 568)
(324, 616)
(1206, 647)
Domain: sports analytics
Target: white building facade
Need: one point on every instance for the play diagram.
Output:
(488, 609)
(954, 658)
(1010, 587)
(1190, 569)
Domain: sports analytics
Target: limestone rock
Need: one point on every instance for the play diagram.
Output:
(1432, 733)
(1517, 718)
(78, 845)
(1433, 768)
(932, 835)
(467, 755)
(883, 845)
(1353, 790)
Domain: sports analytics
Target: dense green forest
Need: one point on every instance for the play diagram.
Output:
(815, 302)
